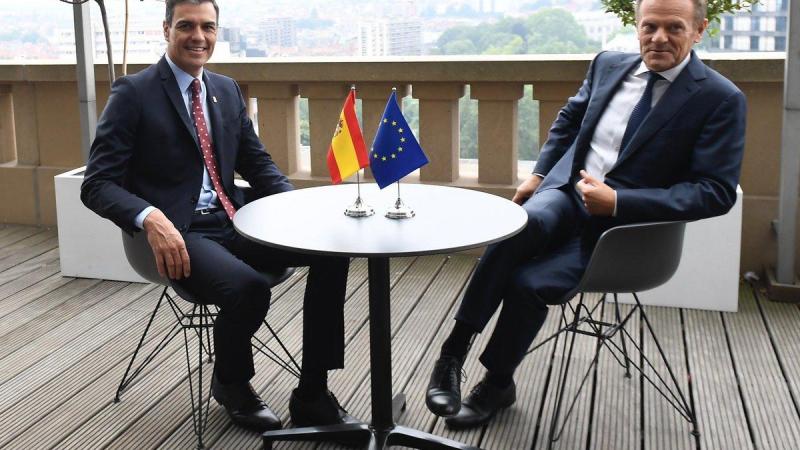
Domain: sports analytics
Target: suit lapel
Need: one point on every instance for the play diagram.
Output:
(173, 93)
(677, 94)
(605, 88)
(217, 127)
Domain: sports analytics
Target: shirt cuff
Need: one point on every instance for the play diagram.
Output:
(614, 214)
(139, 220)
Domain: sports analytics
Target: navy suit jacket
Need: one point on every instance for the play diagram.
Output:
(682, 164)
(146, 150)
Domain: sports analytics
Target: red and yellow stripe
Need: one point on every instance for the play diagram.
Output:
(347, 152)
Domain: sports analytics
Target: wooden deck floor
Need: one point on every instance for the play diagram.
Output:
(64, 344)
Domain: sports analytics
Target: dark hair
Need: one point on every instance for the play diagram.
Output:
(172, 3)
(700, 9)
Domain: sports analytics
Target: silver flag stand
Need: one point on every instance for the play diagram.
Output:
(400, 210)
(359, 208)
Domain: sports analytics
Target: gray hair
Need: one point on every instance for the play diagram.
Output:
(172, 3)
(700, 9)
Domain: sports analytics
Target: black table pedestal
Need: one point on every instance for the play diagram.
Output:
(383, 431)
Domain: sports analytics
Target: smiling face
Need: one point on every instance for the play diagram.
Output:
(191, 36)
(667, 31)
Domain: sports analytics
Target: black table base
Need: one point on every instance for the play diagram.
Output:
(383, 431)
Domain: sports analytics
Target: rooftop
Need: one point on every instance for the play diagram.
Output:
(65, 342)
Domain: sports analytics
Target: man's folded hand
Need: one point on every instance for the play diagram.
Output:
(169, 250)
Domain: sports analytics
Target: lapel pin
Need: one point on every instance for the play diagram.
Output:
(214, 99)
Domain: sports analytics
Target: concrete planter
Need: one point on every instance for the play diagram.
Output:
(89, 246)
(708, 276)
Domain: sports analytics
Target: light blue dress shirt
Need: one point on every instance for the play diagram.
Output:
(208, 196)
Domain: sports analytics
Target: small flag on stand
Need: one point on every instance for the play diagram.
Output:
(395, 151)
(347, 153)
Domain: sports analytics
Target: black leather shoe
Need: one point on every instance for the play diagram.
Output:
(323, 410)
(481, 404)
(244, 406)
(443, 397)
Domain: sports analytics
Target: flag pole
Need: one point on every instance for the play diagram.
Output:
(400, 210)
(359, 208)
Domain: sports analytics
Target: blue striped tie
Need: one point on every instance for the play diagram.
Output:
(640, 111)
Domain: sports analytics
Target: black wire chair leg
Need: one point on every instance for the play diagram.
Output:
(687, 407)
(622, 340)
(563, 373)
(200, 402)
(125, 381)
(283, 347)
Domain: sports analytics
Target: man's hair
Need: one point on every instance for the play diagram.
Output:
(700, 9)
(172, 3)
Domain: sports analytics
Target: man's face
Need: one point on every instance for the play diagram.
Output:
(191, 36)
(667, 31)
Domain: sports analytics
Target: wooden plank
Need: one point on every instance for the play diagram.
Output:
(617, 405)
(663, 426)
(16, 233)
(25, 253)
(38, 317)
(44, 290)
(38, 262)
(36, 363)
(27, 279)
(38, 237)
(95, 395)
(773, 417)
(782, 320)
(79, 390)
(720, 411)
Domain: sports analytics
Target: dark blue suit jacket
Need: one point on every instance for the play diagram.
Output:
(146, 150)
(684, 162)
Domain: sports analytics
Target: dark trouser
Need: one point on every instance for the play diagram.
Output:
(224, 268)
(539, 266)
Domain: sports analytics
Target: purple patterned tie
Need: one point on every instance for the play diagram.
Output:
(208, 152)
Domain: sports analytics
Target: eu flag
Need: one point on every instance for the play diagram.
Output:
(395, 151)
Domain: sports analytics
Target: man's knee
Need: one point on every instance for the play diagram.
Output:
(252, 293)
(535, 290)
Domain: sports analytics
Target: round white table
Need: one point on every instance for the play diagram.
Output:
(313, 221)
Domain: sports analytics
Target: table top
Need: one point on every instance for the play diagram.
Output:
(312, 220)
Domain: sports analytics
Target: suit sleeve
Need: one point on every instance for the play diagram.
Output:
(253, 163)
(710, 187)
(112, 149)
(566, 126)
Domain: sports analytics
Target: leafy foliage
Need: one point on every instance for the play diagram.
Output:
(624, 9)
(550, 30)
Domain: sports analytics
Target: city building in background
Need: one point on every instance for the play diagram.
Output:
(763, 29)
(390, 37)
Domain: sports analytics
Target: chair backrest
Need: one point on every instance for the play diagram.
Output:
(140, 257)
(633, 258)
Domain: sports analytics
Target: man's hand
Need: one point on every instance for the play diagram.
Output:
(598, 198)
(172, 259)
(526, 189)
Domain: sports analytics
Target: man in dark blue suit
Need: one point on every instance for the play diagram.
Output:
(167, 146)
(649, 137)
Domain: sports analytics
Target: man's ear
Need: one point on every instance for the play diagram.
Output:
(700, 30)
(166, 30)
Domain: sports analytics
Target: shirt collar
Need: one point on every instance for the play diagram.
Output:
(184, 79)
(669, 74)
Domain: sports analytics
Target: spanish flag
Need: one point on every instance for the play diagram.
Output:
(347, 153)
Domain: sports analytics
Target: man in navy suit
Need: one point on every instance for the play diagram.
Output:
(649, 137)
(167, 146)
